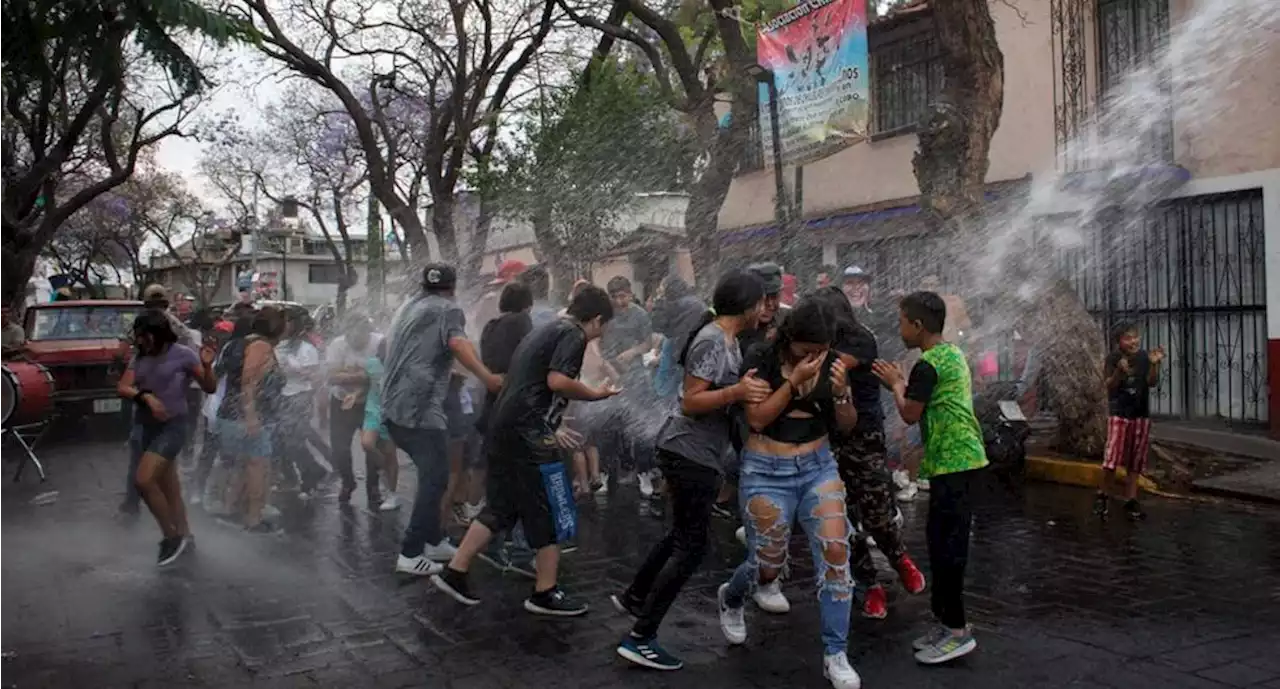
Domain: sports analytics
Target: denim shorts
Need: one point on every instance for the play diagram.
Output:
(166, 438)
(236, 443)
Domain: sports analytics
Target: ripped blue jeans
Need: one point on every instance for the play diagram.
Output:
(775, 493)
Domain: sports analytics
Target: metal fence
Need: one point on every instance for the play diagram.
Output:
(1190, 274)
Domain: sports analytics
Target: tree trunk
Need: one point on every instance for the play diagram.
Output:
(708, 192)
(1071, 349)
(442, 224)
(473, 262)
(19, 266)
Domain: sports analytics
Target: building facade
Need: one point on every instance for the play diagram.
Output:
(1138, 146)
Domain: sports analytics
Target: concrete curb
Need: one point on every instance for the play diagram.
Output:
(1077, 473)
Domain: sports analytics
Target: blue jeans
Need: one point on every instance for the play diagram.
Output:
(429, 450)
(775, 492)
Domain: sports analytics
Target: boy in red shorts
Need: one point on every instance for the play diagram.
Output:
(1130, 372)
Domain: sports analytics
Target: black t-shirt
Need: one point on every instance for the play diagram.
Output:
(921, 382)
(1132, 398)
(861, 345)
(526, 403)
(819, 402)
(498, 342)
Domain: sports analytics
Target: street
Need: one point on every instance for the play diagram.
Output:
(1190, 598)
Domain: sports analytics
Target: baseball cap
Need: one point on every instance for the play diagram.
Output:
(770, 273)
(439, 276)
(856, 273)
(155, 293)
(508, 271)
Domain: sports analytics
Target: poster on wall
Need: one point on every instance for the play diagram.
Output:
(817, 52)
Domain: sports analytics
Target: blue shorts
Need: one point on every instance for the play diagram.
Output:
(373, 422)
(165, 438)
(235, 441)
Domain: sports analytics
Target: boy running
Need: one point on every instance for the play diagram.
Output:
(938, 396)
(528, 482)
(1130, 373)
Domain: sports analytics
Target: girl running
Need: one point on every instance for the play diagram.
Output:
(789, 474)
(156, 380)
(691, 448)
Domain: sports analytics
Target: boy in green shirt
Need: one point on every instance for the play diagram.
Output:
(937, 394)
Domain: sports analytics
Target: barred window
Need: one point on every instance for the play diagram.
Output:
(324, 273)
(906, 76)
(1133, 34)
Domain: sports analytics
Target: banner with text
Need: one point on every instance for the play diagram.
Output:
(817, 52)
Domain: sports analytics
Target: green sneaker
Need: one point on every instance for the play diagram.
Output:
(948, 649)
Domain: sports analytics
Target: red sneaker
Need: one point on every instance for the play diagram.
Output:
(912, 579)
(875, 605)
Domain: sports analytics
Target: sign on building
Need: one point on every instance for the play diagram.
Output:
(817, 52)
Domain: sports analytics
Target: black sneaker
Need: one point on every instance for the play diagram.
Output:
(626, 604)
(170, 549)
(1134, 511)
(724, 510)
(1100, 506)
(554, 602)
(454, 584)
(568, 547)
(647, 653)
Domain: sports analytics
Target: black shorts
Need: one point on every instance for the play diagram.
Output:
(519, 489)
(165, 438)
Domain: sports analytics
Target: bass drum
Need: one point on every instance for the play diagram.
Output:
(27, 393)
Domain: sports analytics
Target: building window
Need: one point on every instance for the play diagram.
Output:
(906, 76)
(1132, 34)
(324, 273)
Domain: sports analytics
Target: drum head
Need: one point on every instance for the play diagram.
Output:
(9, 393)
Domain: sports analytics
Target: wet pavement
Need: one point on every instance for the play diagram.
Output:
(1190, 598)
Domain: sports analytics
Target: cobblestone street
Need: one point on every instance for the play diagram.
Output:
(1190, 598)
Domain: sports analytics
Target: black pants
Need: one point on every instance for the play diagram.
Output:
(950, 518)
(293, 433)
(676, 557)
(343, 425)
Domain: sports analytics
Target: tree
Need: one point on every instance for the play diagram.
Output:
(456, 61)
(99, 238)
(87, 89)
(577, 165)
(706, 47)
(951, 167)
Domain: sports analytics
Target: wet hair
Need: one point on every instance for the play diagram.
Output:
(618, 284)
(516, 297)
(808, 322)
(736, 292)
(589, 303)
(538, 280)
(269, 322)
(674, 287)
(927, 308)
(1121, 329)
(154, 322)
(843, 321)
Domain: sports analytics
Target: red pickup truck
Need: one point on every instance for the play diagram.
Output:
(86, 346)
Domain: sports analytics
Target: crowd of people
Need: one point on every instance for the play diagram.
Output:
(766, 408)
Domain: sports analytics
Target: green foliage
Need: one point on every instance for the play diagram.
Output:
(584, 153)
(48, 35)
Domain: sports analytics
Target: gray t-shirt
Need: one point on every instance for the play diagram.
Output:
(705, 439)
(418, 361)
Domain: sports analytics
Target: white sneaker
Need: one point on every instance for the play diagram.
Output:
(741, 535)
(907, 494)
(733, 621)
(901, 479)
(470, 512)
(390, 504)
(836, 668)
(195, 499)
(418, 566)
(604, 484)
(441, 552)
(922, 484)
(270, 512)
(646, 485)
(770, 599)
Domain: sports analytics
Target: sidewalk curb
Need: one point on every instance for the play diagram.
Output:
(1077, 473)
